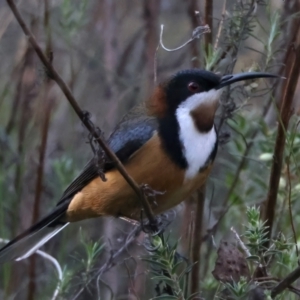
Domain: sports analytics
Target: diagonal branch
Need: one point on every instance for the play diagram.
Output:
(286, 282)
(83, 116)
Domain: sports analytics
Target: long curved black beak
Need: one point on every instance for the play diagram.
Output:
(229, 79)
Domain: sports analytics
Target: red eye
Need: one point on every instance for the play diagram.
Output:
(194, 87)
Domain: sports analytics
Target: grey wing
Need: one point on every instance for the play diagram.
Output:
(129, 135)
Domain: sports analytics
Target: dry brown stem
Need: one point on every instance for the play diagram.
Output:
(198, 225)
(208, 18)
(194, 45)
(151, 14)
(197, 241)
(291, 72)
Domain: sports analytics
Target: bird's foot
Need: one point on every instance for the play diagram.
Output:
(151, 194)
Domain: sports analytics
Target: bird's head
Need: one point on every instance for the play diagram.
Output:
(195, 92)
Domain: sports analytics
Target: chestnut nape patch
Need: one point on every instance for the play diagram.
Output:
(157, 104)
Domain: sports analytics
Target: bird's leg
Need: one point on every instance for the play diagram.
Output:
(162, 221)
(100, 159)
(150, 193)
(99, 154)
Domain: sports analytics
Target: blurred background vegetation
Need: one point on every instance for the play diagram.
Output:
(107, 52)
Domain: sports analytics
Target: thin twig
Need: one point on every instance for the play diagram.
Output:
(197, 240)
(151, 15)
(243, 161)
(197, 33)
(58, 269)
(111, 262)
(131, 288)
(195, 19)
(84, 116)
(226, 101)
(220, 28)
(270, 279)
(241, 243)
(107, 286)
(54, 262)
(208, 17)
(200, 200)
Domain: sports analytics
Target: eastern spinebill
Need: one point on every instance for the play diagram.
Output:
(171, 148)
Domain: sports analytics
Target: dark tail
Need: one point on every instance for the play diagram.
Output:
(36, 236)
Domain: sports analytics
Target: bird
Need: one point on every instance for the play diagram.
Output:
(170, 147)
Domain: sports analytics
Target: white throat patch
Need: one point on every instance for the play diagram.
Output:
(197, 146)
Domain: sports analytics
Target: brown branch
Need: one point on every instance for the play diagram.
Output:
(187, 234)
(286, 282)
(195, 22)
(292, 72)
(197, 232)
(197, 241)
(277, 280)
(151, 13)
(83, 115)
(193, 241)
(208, 18)
(289, 186)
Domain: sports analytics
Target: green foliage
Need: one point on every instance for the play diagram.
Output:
(255, 232)
(92, 250)
(270, 42)
(240, 24)
(211, 57)
(239, 290)
(83, 270)
(65, 284)
(73, 16)
(168, 267)
(277, 259)
(274, 33)
(64, 171)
